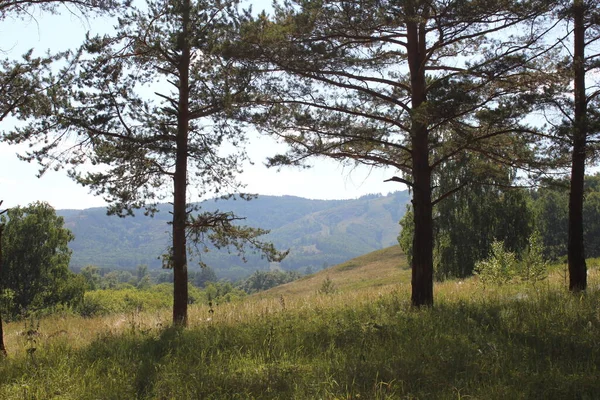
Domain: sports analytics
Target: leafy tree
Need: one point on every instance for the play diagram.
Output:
(404, 84)
(164, 277)
(499, 268)
(142, 277)
(533, 266)
(591, 218)
(467, 223)
(186, 133)
(551, 208)
(92, 277)
(36, 258)
(551, 212)
(204, 276)
(263, 280)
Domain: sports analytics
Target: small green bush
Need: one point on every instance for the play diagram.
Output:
(502, 266)
(533, 268)
(499, 268)
(327, 287)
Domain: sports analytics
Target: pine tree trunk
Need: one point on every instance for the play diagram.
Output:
(576, 253)
(2, 347)
(422, 260)
(180, 273)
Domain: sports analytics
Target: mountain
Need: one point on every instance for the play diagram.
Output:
(319, 233)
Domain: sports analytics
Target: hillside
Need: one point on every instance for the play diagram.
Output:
(318, 232)
(381, 268)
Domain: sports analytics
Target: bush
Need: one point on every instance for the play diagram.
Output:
(533, 268)
(499, 268)
(107, 301)
(503, 266)
(327, 287)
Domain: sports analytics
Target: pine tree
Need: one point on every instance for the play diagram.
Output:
(23, 82)
(404, 84)
(157, 105)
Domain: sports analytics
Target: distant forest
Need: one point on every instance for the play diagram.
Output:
(320, 233)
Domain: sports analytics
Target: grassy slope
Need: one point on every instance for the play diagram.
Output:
(514, 342)
(384, 267)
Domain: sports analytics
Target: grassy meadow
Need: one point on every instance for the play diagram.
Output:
(344, 333)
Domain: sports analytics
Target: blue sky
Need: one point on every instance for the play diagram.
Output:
(20, 186)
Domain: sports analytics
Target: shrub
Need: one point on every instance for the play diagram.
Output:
(107, 301)
(499, 268)
(533, 268)
(327, 287)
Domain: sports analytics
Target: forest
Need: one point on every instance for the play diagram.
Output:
(486, 111)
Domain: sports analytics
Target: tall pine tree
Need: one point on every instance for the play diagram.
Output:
(403, 84)
(155, 106)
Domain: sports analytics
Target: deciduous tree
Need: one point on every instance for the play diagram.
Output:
(467, 223)
(36, 258)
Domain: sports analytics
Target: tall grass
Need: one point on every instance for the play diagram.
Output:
(515, 342)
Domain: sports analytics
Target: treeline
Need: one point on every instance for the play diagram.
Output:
(467, 225)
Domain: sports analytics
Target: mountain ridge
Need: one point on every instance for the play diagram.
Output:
(318, 233)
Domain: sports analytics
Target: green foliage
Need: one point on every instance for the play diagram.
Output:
(36, 259)
(263, 280)
(92, 276)
(203, 277)
(110, 301)
(551, 208)
(151, 298)
(327, 287)
(221, 292)
(467, 223)
(533, 268)
(405, 240)
(499, 268)
(502, 266)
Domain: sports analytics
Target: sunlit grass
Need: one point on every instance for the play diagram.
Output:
(359, 341)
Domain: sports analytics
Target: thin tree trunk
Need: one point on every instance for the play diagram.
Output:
(422, 260)
(576, 253)
(180, 273)
(3, 352)
(2, 347)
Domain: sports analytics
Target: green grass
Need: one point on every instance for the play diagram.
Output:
(513, 342)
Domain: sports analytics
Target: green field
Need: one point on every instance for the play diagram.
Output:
(345, 333)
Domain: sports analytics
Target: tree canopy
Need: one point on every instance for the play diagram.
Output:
(409, 85)
(35, 264)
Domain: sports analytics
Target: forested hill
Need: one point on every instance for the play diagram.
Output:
(318, 232)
